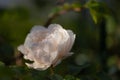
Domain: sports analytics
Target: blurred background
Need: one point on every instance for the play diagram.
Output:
(97, 45)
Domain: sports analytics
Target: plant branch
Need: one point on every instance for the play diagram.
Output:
(62, 10)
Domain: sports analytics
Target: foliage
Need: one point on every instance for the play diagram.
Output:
(98, 10)
(89, 62)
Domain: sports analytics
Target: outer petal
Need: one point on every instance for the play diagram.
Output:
(38, 28)
(47, 46)
(72, 39)
(26, 52)
(22, 49)
(38, 66)
(65, 47)
(45, 51)
(61, 37)
(36, 35)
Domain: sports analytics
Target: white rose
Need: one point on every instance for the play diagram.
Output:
(47, 46)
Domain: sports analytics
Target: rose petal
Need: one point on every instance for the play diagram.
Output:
(47, 46)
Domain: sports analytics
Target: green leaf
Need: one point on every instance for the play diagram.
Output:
(56, 77)
(70, 77)
(103, 76)
(94, 15)
(76, 5)
(98, 10)
(2, 64)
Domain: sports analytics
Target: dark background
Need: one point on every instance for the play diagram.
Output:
(96, 49)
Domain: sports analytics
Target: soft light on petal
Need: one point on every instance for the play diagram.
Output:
(47, 46)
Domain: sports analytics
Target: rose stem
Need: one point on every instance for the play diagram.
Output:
(51, 70)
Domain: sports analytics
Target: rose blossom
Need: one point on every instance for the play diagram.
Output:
(47, 46)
